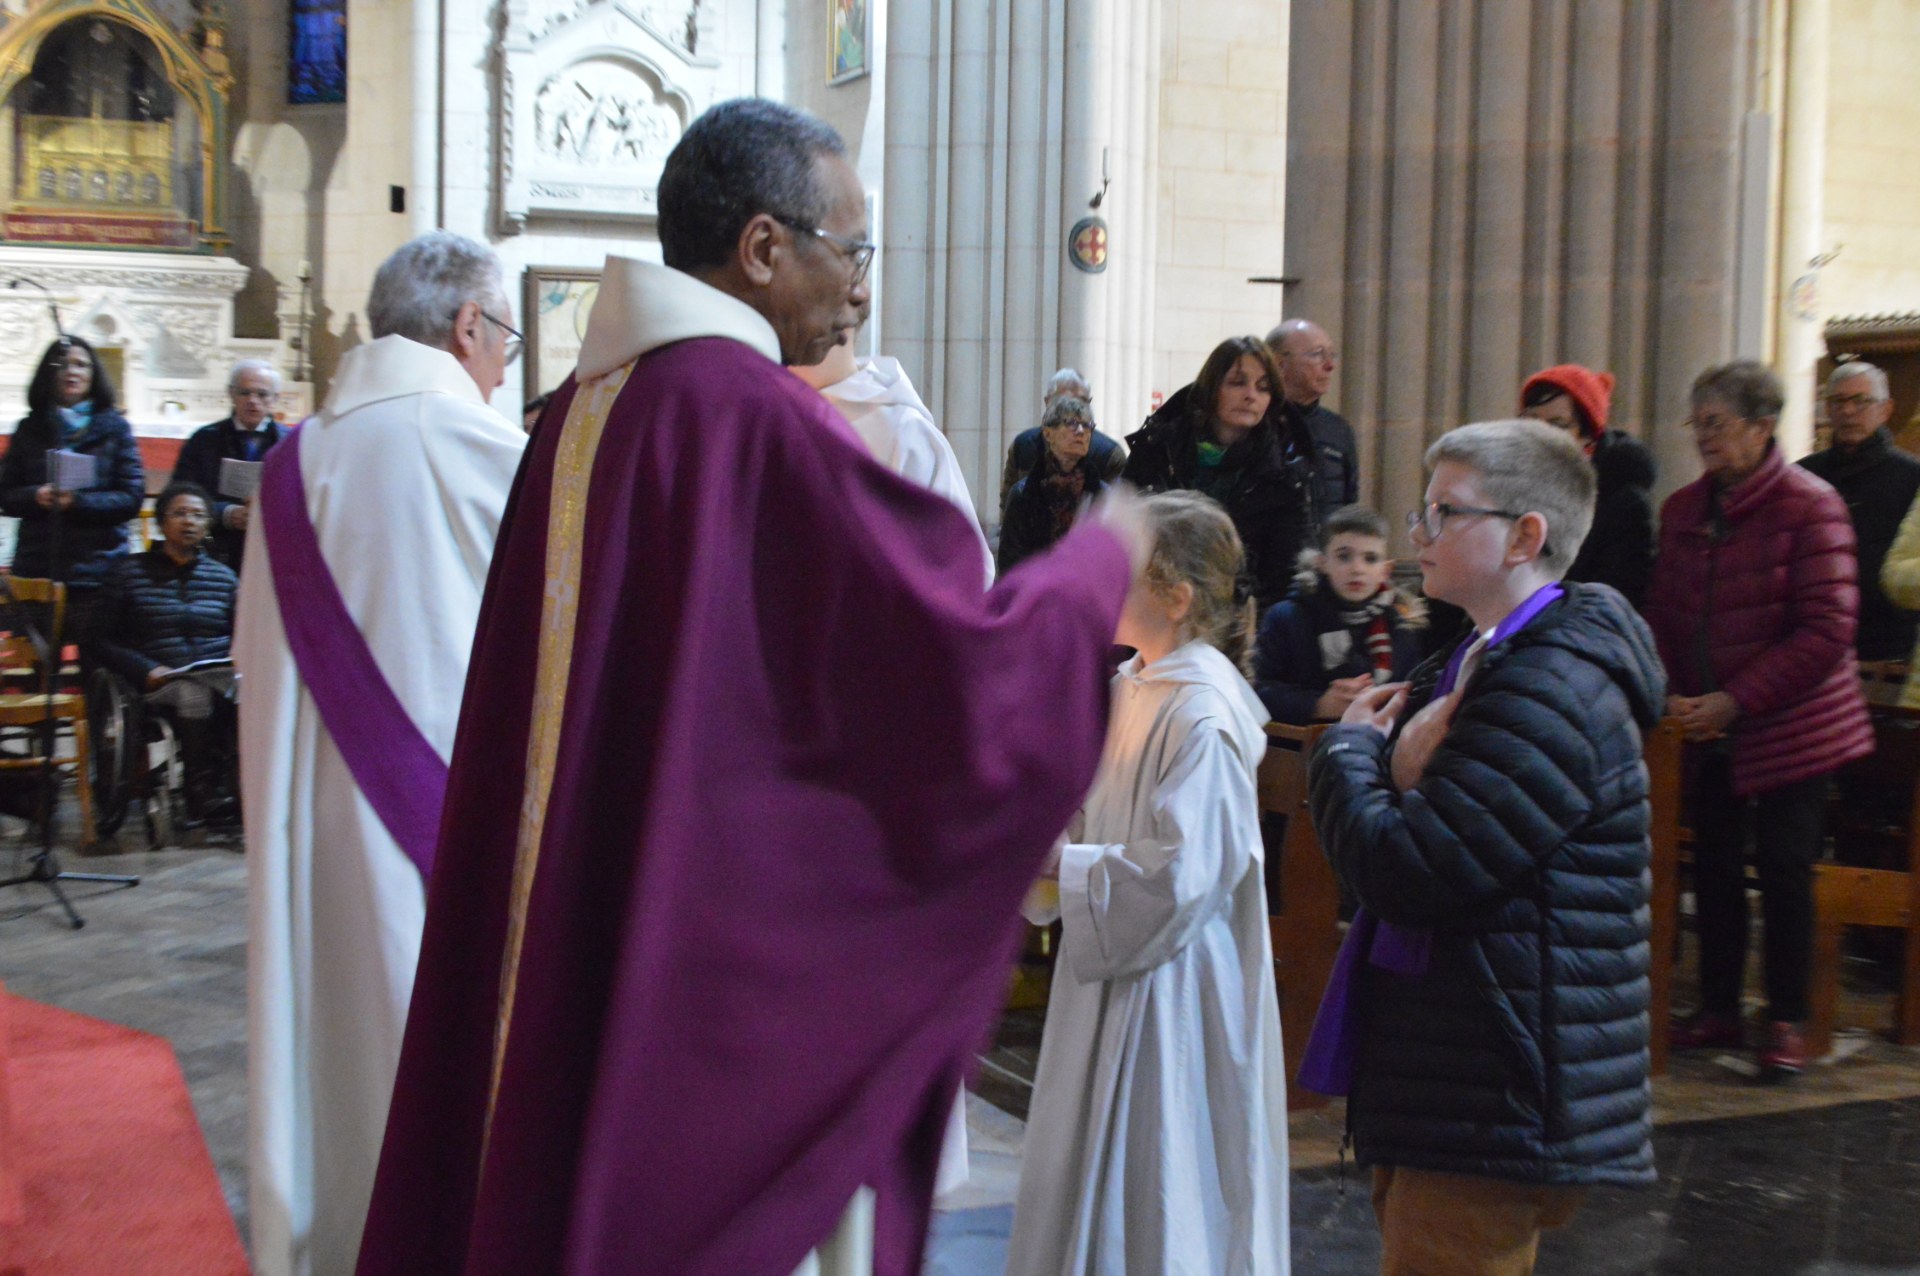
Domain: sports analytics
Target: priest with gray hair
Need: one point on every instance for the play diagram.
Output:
(376, 523)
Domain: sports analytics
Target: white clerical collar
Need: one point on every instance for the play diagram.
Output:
(643, 305)
(392, 367)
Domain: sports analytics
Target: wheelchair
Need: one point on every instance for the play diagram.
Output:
(138, 760)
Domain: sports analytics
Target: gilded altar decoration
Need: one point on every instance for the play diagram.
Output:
(113, 116)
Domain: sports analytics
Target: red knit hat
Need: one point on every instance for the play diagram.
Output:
(1591, 391)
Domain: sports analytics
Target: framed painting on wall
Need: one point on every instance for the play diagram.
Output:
(558, 304)
(848, 28)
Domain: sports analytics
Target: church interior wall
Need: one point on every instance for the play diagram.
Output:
(1872, 185)
(1467, 203)
(284, 159)
(1222, 178)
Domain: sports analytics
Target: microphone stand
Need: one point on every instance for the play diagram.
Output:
(52, 309)
(44, 867)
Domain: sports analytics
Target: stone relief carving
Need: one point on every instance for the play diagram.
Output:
(604, 114)
(171, 317)
(24, 330)
(592, 96)
(193, 328)
(676, 20)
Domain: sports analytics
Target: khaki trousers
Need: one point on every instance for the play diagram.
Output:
(1434, 1224)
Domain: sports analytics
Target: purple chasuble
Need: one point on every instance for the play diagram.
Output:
(397, 770)
(805, 769)
(1326, 1065)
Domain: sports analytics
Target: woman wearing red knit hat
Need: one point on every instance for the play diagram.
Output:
(1619, 549)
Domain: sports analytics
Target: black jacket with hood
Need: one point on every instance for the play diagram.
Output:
(1619, 549)
(1268, 483)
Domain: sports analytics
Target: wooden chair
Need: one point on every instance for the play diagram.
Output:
(24, 714)
(1882, 681)
(1845, 895)
(1306, 933)
(1664, 791)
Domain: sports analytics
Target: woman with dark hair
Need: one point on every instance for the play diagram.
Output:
(167, 608)
(70, 406)
(1042, 505)
(1619, 549)
(1753, 606)
(1232, 436)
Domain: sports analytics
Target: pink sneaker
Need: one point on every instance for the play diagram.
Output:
(1784, 1055)
(1705, 1031)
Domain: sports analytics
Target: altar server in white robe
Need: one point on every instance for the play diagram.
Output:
(1157, 1140)
(405, 472)
(879, 401)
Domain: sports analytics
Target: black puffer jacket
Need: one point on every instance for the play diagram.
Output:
(1522, 1052)
(158, 612)
(1268, 483)
(1619, 549)
(1878, 482)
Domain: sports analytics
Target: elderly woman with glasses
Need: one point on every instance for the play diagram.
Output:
(1753, 606)
(1042, 505)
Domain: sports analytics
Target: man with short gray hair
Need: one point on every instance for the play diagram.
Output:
(1879, 482)
(248, 434)
(377, 523)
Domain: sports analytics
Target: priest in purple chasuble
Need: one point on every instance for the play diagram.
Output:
(751, 777)
(368, 557)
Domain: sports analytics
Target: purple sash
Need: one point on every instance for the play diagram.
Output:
(401, 776)
(1326, 1065)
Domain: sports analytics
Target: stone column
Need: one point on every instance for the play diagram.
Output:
(1479, 190)
(1802, 216)
(997, 115)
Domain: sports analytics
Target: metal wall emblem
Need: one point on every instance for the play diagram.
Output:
(1087, 245)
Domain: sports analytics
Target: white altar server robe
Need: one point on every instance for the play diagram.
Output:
(884, 409)
(1157, 1141)
(406, 473)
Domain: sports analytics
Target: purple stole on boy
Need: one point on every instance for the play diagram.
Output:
(1326, 1066)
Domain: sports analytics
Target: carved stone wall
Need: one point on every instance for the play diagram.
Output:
(168, 319)
(592, 95)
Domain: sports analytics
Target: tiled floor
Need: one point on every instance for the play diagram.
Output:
(1817, 1190)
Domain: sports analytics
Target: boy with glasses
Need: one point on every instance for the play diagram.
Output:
(1488, 1017)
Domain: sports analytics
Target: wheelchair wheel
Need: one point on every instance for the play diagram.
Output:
(115, 742)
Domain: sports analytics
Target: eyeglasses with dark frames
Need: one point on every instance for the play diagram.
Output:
(857, 251)
(1432, 520)
(515, 342)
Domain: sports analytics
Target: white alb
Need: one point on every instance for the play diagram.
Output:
(406, 472)
(1157, 1140)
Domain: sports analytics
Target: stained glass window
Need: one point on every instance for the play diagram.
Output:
(317, 69)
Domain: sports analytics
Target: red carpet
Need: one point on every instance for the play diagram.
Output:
(98, 1138)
